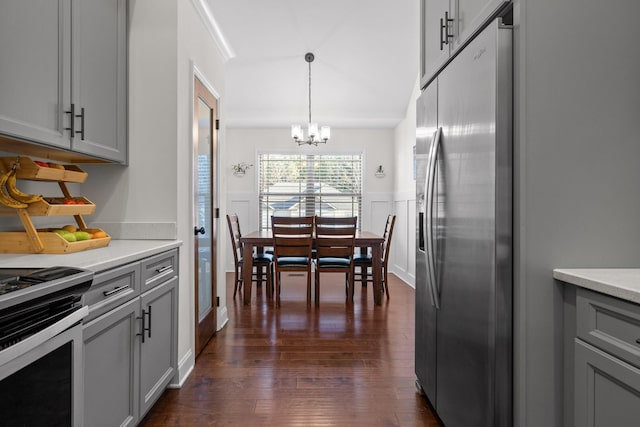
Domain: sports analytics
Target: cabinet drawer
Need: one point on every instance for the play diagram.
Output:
(111, 289)
(610, 324)
(158, 269)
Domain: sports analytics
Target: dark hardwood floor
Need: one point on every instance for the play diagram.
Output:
(335, 365)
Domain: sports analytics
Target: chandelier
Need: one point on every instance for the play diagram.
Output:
(313, 137)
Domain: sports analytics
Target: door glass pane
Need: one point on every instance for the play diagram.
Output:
(203, 192)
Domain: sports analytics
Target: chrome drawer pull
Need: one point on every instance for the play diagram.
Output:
(163, 269)
(115, 290)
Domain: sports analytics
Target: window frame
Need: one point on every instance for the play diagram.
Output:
(300, 154)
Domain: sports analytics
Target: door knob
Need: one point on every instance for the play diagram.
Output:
(197, 230)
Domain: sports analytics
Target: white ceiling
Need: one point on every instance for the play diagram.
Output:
(366, 61)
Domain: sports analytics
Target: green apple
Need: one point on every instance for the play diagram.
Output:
(82, 235)
(69, 237)
(61, 232)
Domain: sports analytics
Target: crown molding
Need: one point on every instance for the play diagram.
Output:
(214, 30)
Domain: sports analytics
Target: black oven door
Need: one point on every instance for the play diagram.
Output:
(41, 377)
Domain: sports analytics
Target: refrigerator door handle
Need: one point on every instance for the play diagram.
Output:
(430, 186)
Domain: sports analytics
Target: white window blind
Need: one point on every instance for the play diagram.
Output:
(309, 184)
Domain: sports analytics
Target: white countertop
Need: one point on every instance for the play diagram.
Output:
(622, 283)
(118, 252)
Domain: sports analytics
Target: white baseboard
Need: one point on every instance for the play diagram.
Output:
(185, 367)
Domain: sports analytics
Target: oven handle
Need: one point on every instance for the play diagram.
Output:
(42, 336)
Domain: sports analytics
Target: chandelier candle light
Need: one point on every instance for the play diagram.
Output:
(313, 137)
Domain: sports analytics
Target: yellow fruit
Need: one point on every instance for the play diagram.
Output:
(70, 228)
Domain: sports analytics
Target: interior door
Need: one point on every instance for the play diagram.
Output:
(205, 141)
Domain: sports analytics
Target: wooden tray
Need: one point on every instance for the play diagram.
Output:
(18, 242)
(30, 170)
(45, 208)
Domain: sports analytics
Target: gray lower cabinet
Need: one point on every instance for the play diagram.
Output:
(130, 340)
(607, 390)
(158, 357)
(111, 358)
(606, 361)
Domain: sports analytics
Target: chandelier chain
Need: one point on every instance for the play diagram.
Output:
(309, 91)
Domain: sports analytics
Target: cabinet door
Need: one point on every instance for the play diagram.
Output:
(607, 390)
(471, 16)
(111, 359)
(99, 78)
(158, 356)
(434, 52)
(35, 70)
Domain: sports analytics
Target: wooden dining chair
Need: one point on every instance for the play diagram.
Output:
(365, 262)
(262, 262)
(292, 244)
(334, 243)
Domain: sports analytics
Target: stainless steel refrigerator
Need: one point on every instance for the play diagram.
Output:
(464, 280)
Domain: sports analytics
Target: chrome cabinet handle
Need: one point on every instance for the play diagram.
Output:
(431, 178)
(115, 290)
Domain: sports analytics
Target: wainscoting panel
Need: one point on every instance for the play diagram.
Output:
(402, 260)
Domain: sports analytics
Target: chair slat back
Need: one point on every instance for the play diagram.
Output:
(388, 232)
(292, 236)
(234, 232)
(335, 237)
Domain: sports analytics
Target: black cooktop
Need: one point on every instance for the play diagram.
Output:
(19, 285)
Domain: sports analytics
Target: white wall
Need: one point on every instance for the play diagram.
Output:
(402, 256)
(242, 145)
(151, 198)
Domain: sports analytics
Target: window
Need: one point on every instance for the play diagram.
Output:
(309, 184)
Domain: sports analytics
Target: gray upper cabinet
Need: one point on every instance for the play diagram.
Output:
(99, 91)
(435, 46)
(448, 25)
(35, 88)
(64, 75)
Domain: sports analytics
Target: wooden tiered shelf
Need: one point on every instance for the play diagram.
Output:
(45, 240)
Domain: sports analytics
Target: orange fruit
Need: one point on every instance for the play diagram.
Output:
(99, 235)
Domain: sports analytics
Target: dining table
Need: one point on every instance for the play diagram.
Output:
(263, 238)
